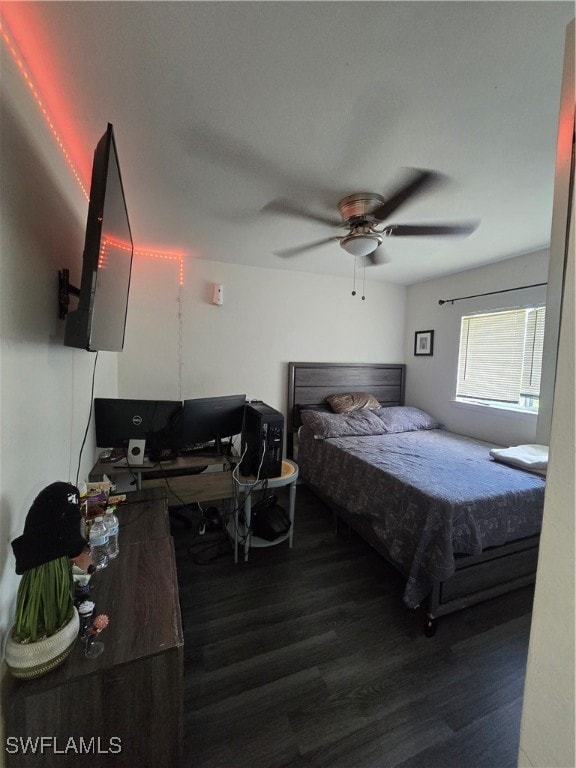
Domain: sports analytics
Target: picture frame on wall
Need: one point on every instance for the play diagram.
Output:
(424, 343)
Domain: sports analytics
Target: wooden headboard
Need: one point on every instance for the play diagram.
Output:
(311, 383)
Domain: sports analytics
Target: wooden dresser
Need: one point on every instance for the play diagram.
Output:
(123, 708)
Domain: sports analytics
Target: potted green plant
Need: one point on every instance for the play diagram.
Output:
(46, 622)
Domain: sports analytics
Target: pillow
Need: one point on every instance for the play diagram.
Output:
(346, 402)
(322, 407)
(358, 423)
(405, 418)
(299, 409)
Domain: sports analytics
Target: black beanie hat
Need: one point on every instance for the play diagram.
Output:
(52, 528)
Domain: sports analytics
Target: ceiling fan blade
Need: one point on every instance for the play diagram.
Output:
(298, 249)
(417, 181)
(288, 208)
(420, 230)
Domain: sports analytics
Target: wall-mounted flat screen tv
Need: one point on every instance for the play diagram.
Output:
(99, 322)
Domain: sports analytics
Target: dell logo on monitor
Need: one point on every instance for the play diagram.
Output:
(137, 420)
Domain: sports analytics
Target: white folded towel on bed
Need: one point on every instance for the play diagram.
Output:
(533, 457)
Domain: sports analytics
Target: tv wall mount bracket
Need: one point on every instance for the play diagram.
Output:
(64, 291)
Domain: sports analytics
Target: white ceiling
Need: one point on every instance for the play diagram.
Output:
(220, 108)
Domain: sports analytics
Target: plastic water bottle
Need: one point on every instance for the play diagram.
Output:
(98, 540)
(112, 526)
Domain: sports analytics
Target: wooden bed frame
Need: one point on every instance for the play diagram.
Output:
(311, 383)
(496, 571)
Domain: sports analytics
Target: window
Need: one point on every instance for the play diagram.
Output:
(500, 358)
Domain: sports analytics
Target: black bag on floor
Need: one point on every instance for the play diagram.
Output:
(269, 523)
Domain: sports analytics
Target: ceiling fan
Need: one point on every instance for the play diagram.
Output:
(362, 212)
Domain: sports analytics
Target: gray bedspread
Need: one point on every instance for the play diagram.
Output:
(427, 494)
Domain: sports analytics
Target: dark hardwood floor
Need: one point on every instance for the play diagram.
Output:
(308, 657)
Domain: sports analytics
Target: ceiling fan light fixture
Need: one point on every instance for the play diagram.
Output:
(360, 244)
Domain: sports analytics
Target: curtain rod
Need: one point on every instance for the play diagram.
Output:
(490, 293)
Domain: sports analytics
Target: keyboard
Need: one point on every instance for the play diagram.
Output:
(126, 463)
(206, 449)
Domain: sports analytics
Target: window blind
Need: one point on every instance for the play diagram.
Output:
(532, 364)
(500, 355)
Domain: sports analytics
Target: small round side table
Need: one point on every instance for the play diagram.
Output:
(247, 486)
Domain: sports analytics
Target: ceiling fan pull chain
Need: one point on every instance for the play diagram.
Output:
(364, 280)
(354, 282)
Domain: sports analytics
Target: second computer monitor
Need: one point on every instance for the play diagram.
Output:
(212, 420)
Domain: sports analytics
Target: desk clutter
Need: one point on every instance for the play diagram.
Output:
(68, 535)
(187, 449)
(101, 528)
(137, 435)
(120, 666)
(99, 522)
(252, 517)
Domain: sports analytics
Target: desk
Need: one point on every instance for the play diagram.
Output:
(181, 477)
(134, 690)
(246, 486)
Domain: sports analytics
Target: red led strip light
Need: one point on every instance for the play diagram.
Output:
(39, 102)
(169, 257)
(107, 241)
(36, 96)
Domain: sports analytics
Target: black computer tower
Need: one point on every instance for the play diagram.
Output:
(262, 441)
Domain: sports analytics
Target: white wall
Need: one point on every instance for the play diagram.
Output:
(563, 188)
(149, 366)
(180, 345)
(269, 318)
(431, 381)
(548, 713)
(45, 389)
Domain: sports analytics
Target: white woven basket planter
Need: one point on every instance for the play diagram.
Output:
(29, 660)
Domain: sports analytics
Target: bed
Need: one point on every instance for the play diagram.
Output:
(458, 525)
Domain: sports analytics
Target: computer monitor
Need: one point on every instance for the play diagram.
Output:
(212, 420)
(118, 421)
